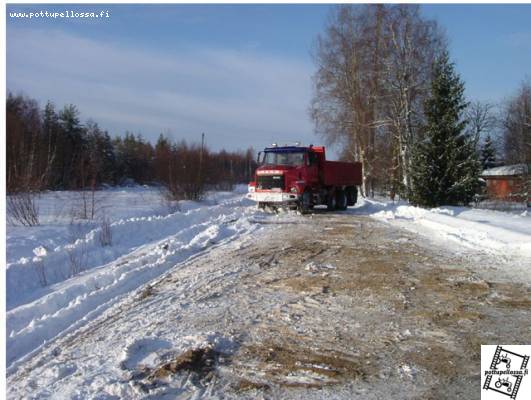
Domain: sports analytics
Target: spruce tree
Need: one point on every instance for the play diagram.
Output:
(446, 167)
(488, 154)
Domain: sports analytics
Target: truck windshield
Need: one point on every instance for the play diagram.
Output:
(293, 159)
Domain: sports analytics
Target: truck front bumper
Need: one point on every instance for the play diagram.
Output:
(272, 197)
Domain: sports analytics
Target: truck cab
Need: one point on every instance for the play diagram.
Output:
(301, 177)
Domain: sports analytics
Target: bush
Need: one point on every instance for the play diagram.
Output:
(187, 191)
(77, 250)
(41, 273)
(105, 235)
(22, 208)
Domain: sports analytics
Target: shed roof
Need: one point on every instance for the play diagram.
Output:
(507, 170)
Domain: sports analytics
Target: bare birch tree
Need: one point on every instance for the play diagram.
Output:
(373, 73)
(517, 126)
(413, 45)
(347, 83)
(481, 119)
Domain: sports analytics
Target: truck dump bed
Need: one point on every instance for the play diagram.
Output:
(337, 173)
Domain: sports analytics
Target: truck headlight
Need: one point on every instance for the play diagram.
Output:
(294, 189)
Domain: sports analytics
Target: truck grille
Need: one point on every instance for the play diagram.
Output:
(268, 182)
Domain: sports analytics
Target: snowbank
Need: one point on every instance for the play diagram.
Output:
(496, 232)
(143, 248)
(62, 246)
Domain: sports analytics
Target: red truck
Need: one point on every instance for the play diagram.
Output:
(301, 177)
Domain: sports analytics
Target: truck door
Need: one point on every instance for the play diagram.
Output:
(312, 175)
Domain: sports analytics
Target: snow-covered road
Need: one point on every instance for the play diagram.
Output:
(242, 304)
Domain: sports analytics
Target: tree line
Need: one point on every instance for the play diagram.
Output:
(51, 149)
(386, 91)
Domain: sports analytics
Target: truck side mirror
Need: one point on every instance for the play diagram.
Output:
(258, 158)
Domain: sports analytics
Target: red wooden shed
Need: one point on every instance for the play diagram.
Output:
(508, 183)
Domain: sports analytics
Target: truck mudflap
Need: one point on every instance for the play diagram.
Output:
(273, 197)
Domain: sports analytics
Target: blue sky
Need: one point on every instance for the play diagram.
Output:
(241, 74)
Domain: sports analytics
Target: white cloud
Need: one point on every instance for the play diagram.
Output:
(239, 98)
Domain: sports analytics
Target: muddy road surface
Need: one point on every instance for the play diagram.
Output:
(314, 307)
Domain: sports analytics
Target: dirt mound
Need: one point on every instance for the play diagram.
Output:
(198, 364)
(200, 361)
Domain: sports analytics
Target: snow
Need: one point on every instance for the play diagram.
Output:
(40, 251)
(506, 170)
(495, 232)
(147, 241)
(149, 351)
(137, 216)
(314, 267)
(150, 239)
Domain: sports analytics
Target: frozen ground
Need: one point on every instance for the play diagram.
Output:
(220, 300)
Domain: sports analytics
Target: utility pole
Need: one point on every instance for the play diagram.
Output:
(202, 148)
(201, 157)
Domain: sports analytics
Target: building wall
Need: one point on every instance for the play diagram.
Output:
(507, 188)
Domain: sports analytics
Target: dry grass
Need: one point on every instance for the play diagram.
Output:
(282, 362)
(436, 359)
(147, 292)
(245, 385)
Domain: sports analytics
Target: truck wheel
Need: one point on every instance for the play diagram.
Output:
(305, 203)
(341, 200)
(331, 202)
(352, 195)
